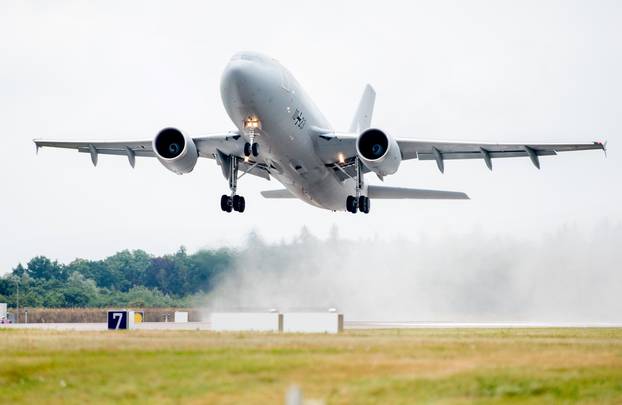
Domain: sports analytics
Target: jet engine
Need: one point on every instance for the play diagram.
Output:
(175, 150)
(378, 151)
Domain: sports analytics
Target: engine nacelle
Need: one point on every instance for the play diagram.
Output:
(378, 151)
(175, 150)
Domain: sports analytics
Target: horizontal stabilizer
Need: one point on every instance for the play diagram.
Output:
(277, 194)
(413, 193)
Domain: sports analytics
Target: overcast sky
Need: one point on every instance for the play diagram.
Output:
(543, 71)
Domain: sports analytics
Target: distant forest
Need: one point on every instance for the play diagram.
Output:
(133, 278)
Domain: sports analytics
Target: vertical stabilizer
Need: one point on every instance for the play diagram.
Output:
(362, 117)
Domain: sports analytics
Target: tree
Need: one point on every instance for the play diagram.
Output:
(79, 292)
(41, 267)
(204, 267)
(19, 271)
(127, 268)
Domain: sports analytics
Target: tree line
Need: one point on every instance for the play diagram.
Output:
(132, 278)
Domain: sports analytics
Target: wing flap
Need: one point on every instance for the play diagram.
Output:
(411, 148)
(479, 155)
(118, 152)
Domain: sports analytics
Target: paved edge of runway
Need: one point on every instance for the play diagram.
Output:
(205, 326)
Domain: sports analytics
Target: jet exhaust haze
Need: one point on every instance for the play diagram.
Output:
(570, 275)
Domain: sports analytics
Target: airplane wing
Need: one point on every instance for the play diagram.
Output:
(440, 151)
(211, 146)
(339, 150)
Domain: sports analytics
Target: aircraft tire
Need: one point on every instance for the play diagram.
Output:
(364, 204)
(225, 203)
(351, 204)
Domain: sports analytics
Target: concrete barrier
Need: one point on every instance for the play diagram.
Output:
(181, 316)
(313, 322)
(246, 321)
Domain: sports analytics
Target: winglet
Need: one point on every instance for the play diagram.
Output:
(364, 111)
(604, 146)
(36, 146)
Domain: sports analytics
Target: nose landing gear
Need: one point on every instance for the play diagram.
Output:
(251, 125)
(251, 148)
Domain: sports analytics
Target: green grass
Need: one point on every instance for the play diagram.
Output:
(358, 367)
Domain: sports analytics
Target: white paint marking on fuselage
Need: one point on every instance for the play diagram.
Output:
(254, 85)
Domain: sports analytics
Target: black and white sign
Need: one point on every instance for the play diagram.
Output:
(117, 320)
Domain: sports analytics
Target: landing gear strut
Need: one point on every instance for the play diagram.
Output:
(358, 202)
(233, 202)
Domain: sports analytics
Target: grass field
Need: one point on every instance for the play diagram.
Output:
(358, 367)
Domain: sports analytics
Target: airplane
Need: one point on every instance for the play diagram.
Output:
(282, 134)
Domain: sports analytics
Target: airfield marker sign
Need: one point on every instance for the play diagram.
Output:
(120, 319)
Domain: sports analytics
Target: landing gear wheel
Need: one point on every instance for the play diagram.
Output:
(364, 204)
(247, 149)
(226, 204)
(255, 149)
(351, 204)
(238, 203)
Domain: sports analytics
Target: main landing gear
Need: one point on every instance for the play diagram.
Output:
(361, 204)
(358, 202)
(232, 202)
(235, 203)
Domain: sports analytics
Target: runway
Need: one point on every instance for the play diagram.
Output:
(205, 326)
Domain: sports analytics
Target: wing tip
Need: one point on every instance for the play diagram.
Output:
(602, 145)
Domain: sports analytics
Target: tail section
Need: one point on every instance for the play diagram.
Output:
(362, 117)
(277, 194)
(413, 193)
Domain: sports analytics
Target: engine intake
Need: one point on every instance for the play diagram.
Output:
(175, 150)
(378, 151)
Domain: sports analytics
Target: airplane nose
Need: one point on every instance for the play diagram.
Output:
(235, 79)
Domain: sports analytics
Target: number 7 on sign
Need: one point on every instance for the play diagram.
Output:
(118, 316)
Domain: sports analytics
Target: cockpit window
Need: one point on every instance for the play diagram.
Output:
(250, 56)
(285, 84)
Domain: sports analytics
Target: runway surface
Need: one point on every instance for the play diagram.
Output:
(347, 325)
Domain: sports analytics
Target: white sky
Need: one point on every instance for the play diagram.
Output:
(502, 71)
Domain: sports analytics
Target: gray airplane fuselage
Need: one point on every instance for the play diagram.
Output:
(259, 88)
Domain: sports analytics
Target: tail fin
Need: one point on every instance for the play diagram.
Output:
(362, 117)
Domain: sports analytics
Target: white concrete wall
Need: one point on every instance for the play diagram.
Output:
(246, 321)
(313, 322)
(181, 316)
